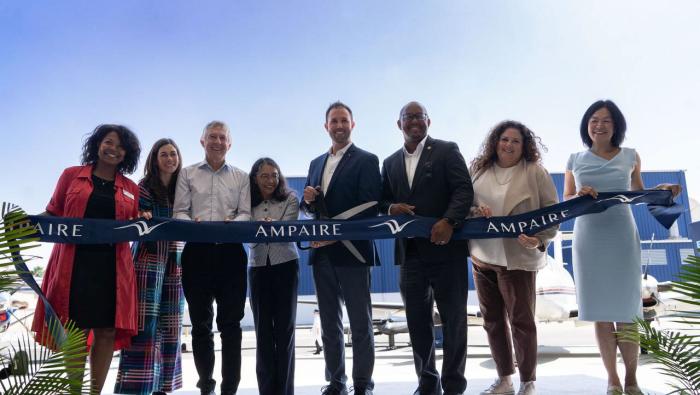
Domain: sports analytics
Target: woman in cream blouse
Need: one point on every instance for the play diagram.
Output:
(509, 179)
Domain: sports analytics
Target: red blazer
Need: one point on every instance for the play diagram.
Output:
(70, 200)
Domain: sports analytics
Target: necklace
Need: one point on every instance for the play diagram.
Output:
(100, 181)
(508, 176)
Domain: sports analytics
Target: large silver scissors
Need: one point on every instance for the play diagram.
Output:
(322, 212)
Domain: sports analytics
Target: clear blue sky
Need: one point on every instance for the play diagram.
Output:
(269, 69)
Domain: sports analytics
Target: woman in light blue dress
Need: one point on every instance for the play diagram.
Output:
(606, 250)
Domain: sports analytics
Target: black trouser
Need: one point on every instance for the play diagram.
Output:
(351, 284)
(215, 272)
(446, 284)
(273, 299)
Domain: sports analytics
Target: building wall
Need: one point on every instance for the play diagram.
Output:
(385, 277)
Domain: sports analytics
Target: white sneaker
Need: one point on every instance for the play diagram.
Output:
(499, 387)
(633, 390)
(614, 390)
(527, 388)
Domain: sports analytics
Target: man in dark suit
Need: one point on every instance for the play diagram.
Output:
(428, 177)
(348, 177)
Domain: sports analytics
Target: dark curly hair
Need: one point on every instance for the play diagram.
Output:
(151, 172)
(280, 193)
(128, 141)
(488, 155)
(619, 123)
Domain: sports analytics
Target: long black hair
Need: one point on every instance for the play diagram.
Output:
(128, 141)
(151, 172)
(280, 193)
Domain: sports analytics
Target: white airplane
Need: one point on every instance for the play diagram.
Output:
(6, 310)
(9, 311)
(555, 302)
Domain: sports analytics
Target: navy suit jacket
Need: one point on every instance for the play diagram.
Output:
(441, 188)
(356, 180)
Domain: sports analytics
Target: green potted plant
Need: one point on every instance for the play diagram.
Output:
(25, 366)
(677, 353)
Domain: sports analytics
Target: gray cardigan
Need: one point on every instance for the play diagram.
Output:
(287, 210)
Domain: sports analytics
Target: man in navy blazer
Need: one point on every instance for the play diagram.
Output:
(428, 177)
(348, 176)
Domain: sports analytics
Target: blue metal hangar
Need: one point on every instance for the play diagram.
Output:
(662, 250)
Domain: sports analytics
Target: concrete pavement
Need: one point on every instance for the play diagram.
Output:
(568, 364)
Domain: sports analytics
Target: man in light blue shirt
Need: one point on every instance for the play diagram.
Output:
(213, 190)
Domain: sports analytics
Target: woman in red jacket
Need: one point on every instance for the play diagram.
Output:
(93, 285)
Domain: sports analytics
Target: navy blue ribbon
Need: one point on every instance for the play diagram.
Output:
(87, 231)
(99, 231)
(58, 332)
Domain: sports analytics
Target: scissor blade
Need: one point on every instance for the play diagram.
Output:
(351, 247)
(355, 210)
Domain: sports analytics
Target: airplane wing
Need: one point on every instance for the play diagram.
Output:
(391, 309)
(307, 301)
(379, 309)
(664, 286)
(388, 308)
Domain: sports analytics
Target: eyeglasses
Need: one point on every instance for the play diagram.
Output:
(266, 177)
(416, 117)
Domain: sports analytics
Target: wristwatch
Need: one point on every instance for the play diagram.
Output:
(451, 221)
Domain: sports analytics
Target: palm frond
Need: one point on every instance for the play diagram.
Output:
(15, 237)
(58, 369)
(677, 354)
(35, 369)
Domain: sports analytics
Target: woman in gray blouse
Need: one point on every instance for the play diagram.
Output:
(273, 276)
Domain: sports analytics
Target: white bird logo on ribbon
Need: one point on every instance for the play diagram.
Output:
(142, 227)
(393, 225)
(622, 198)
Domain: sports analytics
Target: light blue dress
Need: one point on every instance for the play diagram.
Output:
(606, 251)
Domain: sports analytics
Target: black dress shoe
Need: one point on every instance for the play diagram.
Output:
(330, 390)
(362, 391)
(423, 392)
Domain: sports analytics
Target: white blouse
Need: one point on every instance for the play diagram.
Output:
(490, 190)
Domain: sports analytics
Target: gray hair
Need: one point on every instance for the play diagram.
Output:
(216, 125)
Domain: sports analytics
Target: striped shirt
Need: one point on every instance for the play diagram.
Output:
(212, 195)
